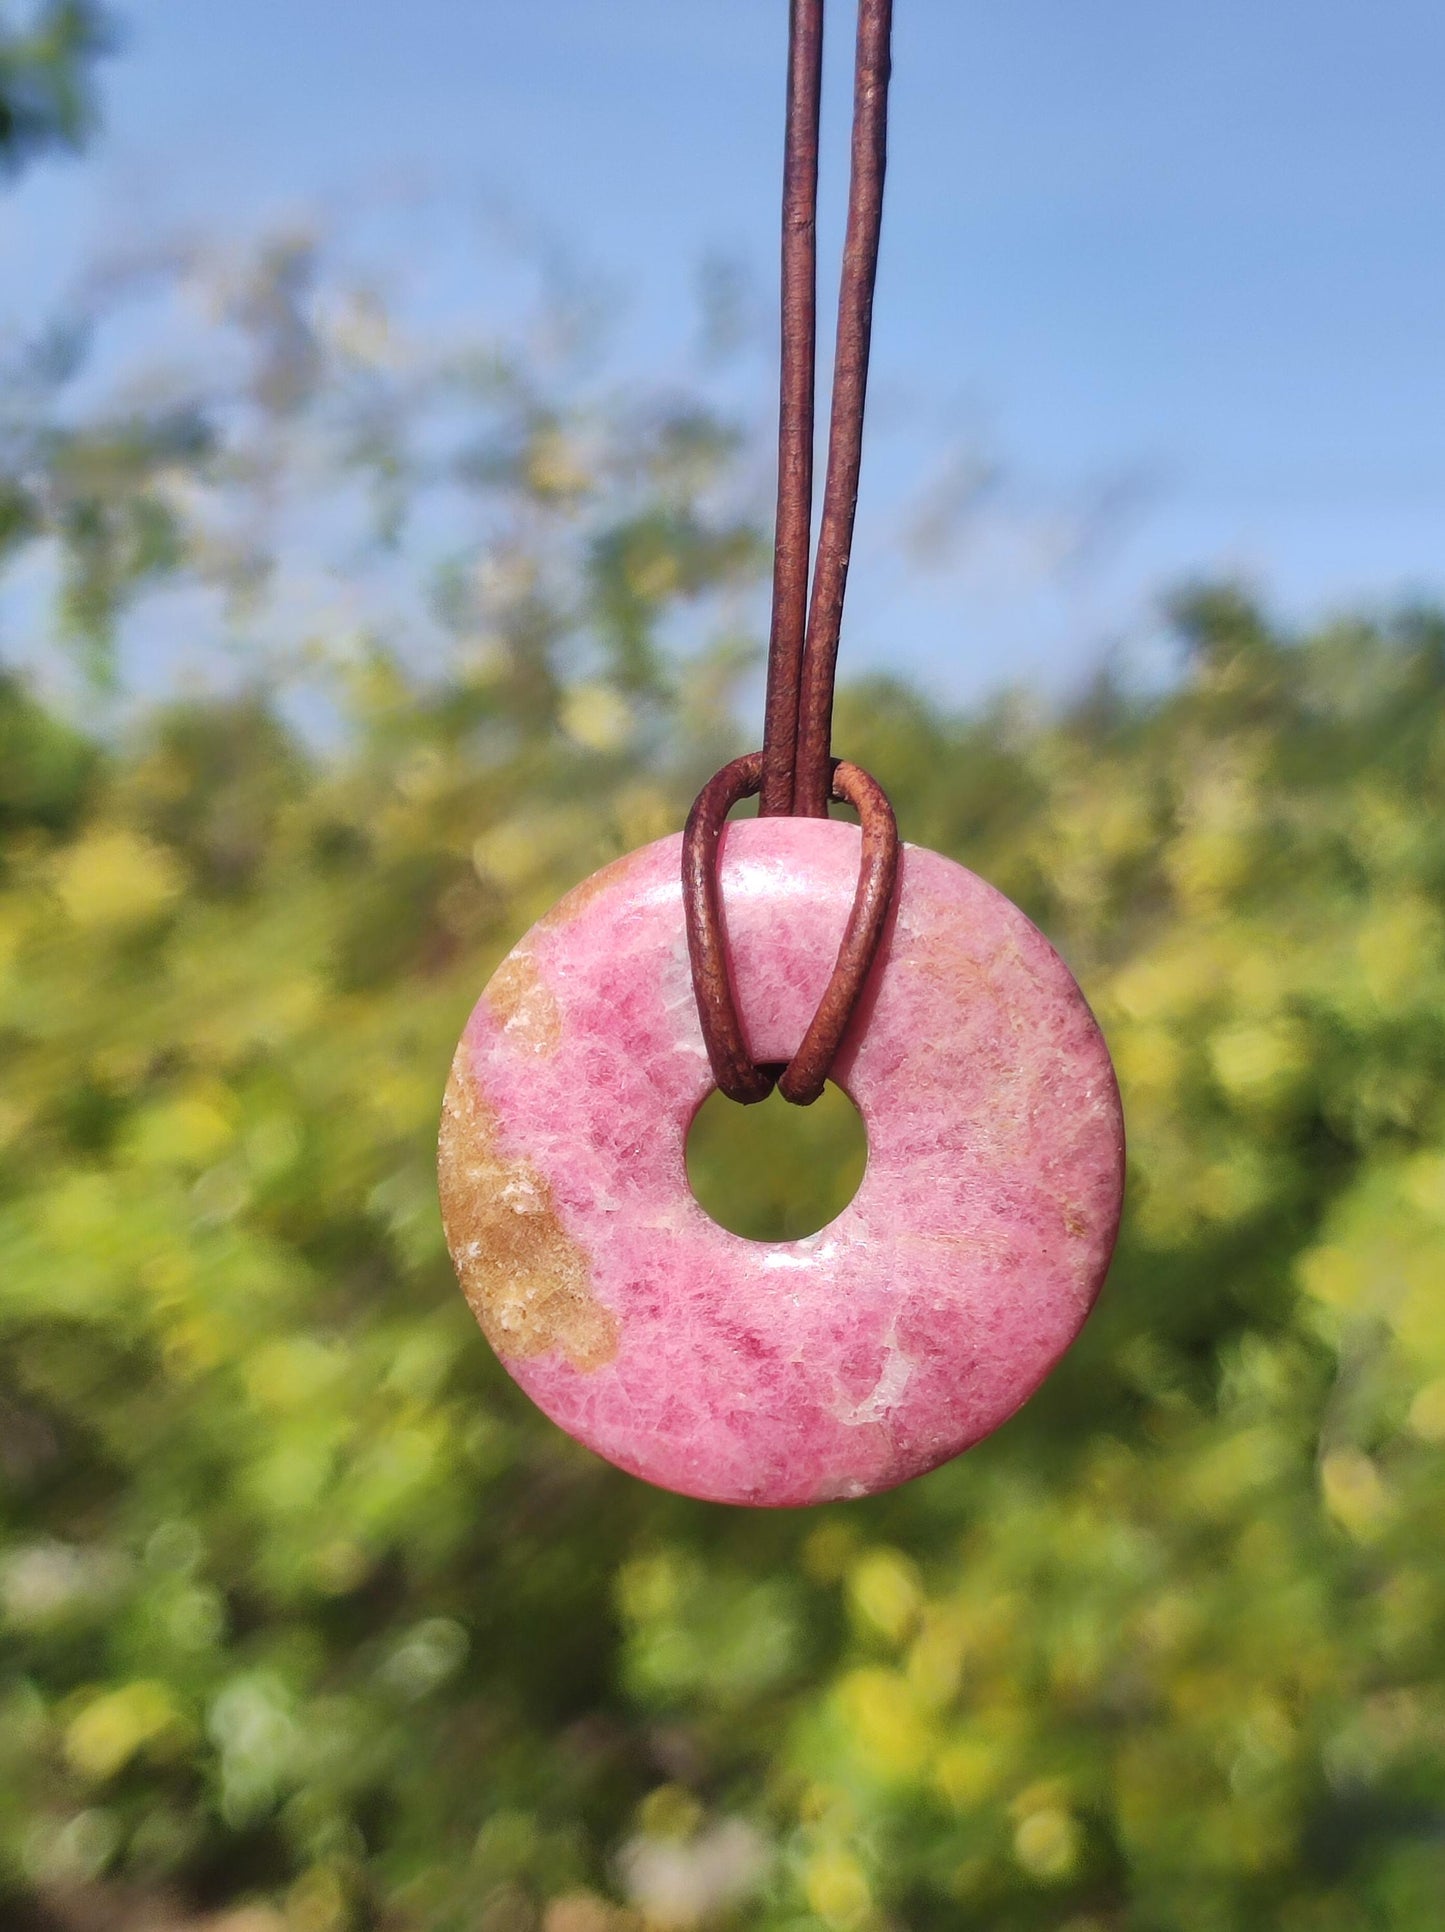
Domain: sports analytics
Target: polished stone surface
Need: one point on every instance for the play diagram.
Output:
(791, 1372)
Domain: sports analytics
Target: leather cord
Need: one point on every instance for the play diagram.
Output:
(795, 773)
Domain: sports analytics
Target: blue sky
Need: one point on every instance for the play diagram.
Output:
(1163, 288)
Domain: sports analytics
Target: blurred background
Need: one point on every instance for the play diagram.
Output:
(385, 405)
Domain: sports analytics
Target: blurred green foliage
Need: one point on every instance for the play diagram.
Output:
(774, 1172)
(307, 1620)
(46, 67)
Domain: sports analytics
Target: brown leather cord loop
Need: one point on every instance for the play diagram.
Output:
(733, 1067)
(795, 771)
(806, 1073)
(727, 1051)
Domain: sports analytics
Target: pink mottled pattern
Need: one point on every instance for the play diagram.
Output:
(921, 1318)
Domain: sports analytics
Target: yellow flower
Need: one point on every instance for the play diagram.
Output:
(888, 1726)
(1355, 1493)
(1258, 1064)
(837, 1887)
(1427, 1412)
(112, 878)
(1046, 1844)
(596, 716)
(103, 1737)
(885, 1593)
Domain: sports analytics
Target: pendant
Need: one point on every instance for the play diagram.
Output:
(782, 1373)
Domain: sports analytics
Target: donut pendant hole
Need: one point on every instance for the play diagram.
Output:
(775, 1172)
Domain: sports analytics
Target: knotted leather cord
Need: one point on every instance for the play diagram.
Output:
(795, 772)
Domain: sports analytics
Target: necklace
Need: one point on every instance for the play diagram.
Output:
(778, 1373)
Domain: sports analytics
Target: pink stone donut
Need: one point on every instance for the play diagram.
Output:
(790, 1372)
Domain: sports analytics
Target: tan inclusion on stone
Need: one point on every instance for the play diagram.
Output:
(523, 1002)
(528, 1282)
